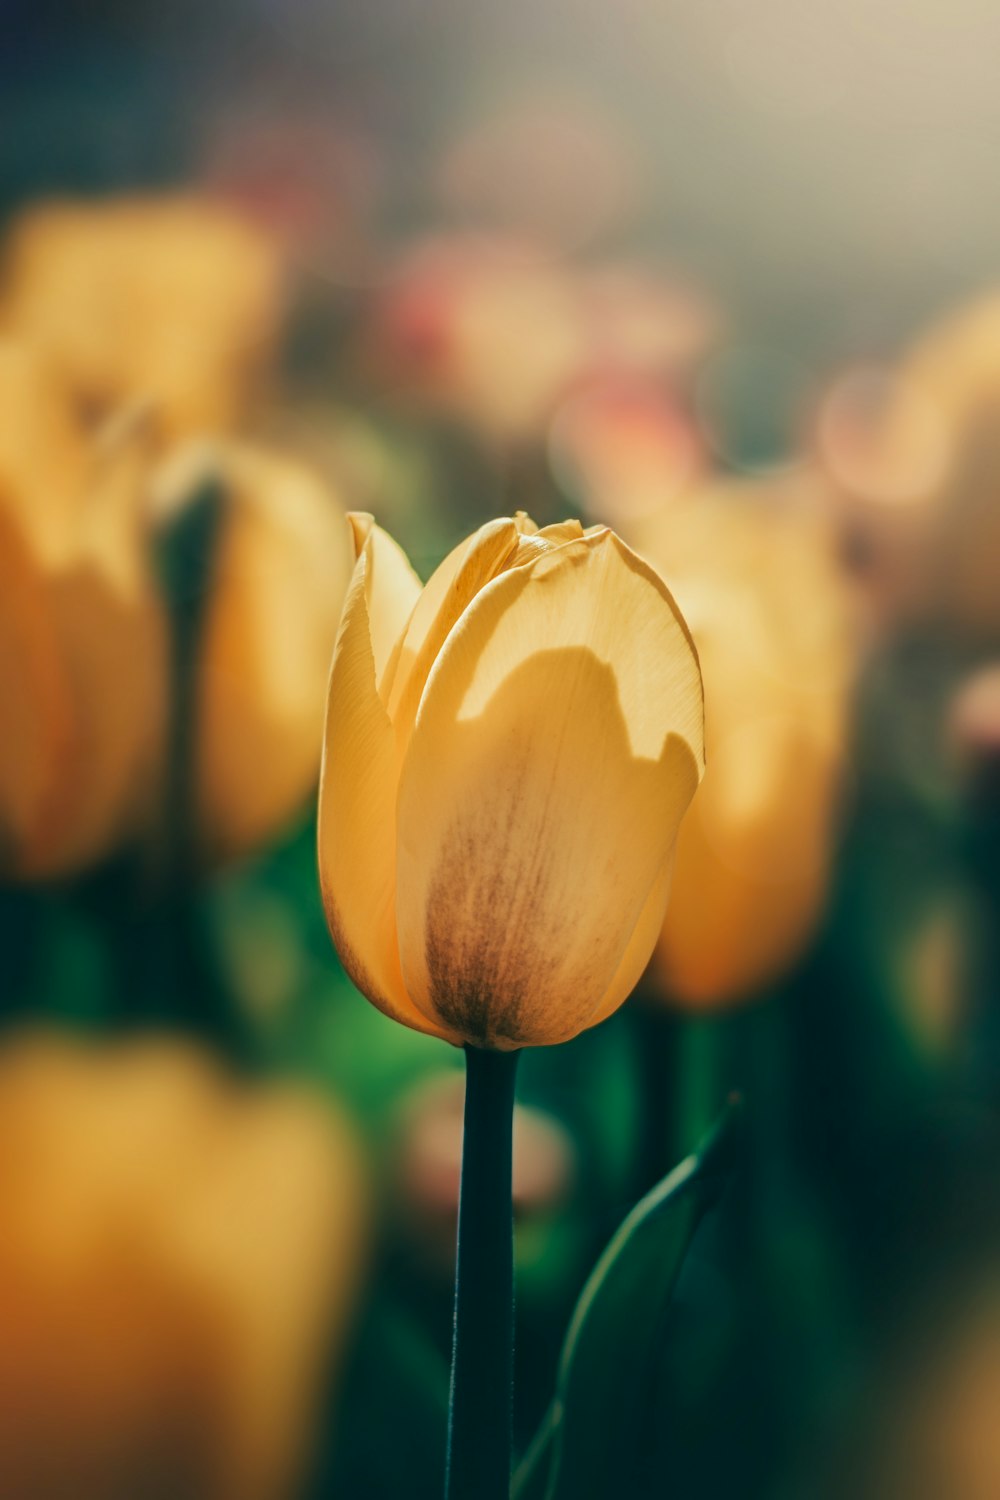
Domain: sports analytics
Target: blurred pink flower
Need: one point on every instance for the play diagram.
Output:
(492, 333)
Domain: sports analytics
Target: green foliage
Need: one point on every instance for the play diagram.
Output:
(592, 1440)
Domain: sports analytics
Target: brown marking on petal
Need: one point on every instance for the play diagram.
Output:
(510, 956)
(483, 958)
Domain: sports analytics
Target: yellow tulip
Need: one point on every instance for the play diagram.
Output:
(85, 652)
(278, 574)
(508, 754)
(914, 468)
(179, 1255)
(84, 637)
(771, 619)
(37, 703)
(174, 300)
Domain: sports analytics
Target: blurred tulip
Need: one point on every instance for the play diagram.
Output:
(641, 323)
(914, 465)
(494, 334)
(178, 1255)
(38, 708)
(276, 582)
(771, 618)
(974, 718)
(84, 650)
(171, 300)
(480, 328)
(621, 448)
(933, 1435)
(508, 756)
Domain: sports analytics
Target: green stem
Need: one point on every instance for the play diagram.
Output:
(682, 1084)
(701, 1083)
(186, 558)
(482, 1368)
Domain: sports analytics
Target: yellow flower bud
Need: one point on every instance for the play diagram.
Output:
(179, 1254)
(508, 754)
(770, 614)
(279, 570)
(173, 300)
(84, 650)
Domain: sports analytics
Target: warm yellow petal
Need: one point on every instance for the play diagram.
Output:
(532, 543)
(449, 591)
(558, 743)
(279, 576)
(391, 590)
(37, 713)
(112, 635)
(640, 947)
(357, 811)
(44, 452)
(173, 298)
(752, 864)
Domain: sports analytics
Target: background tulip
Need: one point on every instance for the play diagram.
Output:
(174, 300)
(771, 617)
(508, 756)
(914, 467)
(39, 711)
(179, 1254)
(85, 598)
(493, 331)
(275, 583)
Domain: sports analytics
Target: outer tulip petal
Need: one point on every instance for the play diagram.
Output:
(38, 721)
(557, 746)
(280, 573)
(391, 589)
(640, 947)
(112, 635)
(357, 802)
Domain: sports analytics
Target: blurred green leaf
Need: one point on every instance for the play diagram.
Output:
(593, 1434)
(397, 1381)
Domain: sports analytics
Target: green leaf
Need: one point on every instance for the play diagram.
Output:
(594, 1430)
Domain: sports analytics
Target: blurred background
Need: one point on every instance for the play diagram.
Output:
(724, 277)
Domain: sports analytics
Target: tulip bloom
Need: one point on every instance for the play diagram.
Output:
(771, 616)
(914, 464)
(83, 657)
(179, 1253)
(173, 300)
(509, 752)
(276, 581)
(495, 334)
(85, 637)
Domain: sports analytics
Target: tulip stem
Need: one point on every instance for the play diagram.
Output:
(482, 1370)
(185, 556)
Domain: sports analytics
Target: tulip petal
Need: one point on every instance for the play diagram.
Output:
(640, 948)
(557, 745)
(112, 634)
(38, 722)
(280, 568)
(357, 802)
(391, 589)
(449, 591)
(533, 543)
